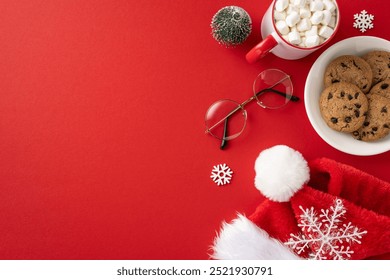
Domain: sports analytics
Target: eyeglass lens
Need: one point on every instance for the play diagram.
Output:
(222, 123)
(281, 86)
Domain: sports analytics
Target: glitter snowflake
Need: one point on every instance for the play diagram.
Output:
(363, 21)
(324, 236)
(221, 174)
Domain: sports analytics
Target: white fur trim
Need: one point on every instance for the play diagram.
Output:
(280, 173)
(243, 240)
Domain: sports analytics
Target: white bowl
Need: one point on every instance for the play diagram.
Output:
(314, 86)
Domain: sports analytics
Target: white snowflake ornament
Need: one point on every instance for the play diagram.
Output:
(324, 236)
(363, 21)
(221, 174)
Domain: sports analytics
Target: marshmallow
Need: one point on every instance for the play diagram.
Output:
(291, 8)
(294, 37)
(325, 31)
(332, 22)
(281, 5)
(329, 5)
(316, 18)
(292, 19)
(303, 42)
(304, 24)
(304, 13)
(327, 16)
(282, 27)
(312, 32)
(312, 41)
(299, 3)
(316, 5)
(279, 15)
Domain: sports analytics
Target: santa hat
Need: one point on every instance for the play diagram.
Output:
(318, 210)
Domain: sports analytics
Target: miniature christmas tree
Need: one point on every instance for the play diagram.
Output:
(231, 26)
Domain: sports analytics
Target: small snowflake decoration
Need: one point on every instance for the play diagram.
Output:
(363, 21)
(323, 235)
(221, 174)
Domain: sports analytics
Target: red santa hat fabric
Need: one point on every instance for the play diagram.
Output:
(318, 210)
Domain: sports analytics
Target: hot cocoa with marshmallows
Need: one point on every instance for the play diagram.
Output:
(305, 23)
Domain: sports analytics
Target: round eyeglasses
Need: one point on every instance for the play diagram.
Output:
(226, 119)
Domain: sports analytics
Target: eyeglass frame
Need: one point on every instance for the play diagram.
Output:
(240, 106)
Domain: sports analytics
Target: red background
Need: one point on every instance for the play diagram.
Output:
(102, 147)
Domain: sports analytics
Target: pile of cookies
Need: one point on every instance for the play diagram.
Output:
(356, 98)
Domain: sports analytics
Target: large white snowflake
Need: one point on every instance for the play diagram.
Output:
(221, 174)
(363, 21)
(324, 236)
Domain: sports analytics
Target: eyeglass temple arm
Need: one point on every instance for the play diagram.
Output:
(224, 140)
(292, 97)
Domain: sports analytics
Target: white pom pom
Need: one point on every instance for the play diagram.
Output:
(280, 173)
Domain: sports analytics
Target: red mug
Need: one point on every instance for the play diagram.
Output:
(280, 44)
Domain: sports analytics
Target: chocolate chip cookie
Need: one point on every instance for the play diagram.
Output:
(343, 107)
(379, 62)
(382, 88)
(351, 69)
(377, 123)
